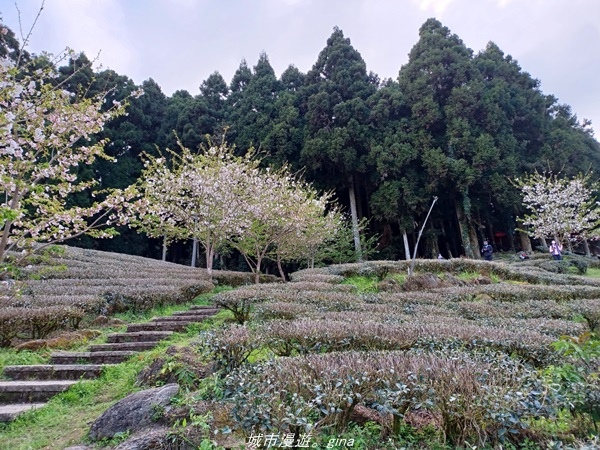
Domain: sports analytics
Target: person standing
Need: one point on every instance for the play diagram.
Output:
(555, 250)
(487, 251)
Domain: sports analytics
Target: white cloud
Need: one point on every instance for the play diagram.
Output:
(437, 6)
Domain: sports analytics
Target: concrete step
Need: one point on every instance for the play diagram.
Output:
(91, 357)
(8, 413)
(158, 326)
(204, 307)
(32, 391)
(138, 336)
(193, 318)
(120, 346)
(54, 372)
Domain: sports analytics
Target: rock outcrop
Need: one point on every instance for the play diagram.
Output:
(135, 412)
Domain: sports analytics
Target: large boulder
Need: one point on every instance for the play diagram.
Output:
(133, 413)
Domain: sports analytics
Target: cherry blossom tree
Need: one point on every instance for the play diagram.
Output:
(153, 211)
(288, 220)
(45, 134)
(559, 208)
(220, 199)
(201, 196)
(316, 224)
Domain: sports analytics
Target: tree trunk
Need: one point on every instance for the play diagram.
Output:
(525, 242)
(411, 267)
(210, 256)
(463, 228)
(257, 272)
(354, 215)
(406, 245)
(8, 224)
(280, 267)
(194, 248)
(586, 248)
(164, 249)
(474, 241)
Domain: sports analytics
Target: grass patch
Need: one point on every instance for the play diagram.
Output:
(593, 272)
(399, 277)
(10, 357)
(468, 276)
(363, 284)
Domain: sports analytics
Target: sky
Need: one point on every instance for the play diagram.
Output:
(179, 43)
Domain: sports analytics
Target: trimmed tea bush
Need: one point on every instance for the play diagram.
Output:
(36, 323)
(481, 402)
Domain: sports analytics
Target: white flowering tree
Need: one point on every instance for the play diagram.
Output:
(289, 220)
(315, 223)
(153, 211)
(559, 208)
(202, 196)
(45, 134)
(219, 199)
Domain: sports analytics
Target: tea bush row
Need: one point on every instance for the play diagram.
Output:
(529, 272)
(36, 323)
(304, 336)
(109, 299)
(241, 302)
(472, 401)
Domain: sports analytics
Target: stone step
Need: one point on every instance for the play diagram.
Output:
(32, 391)
(205, 307)
(197, 312)
(139, 336)
(193, 318)
(120, 346)
(158, 326)
(91, 357)
(54, 372)
(8, 413)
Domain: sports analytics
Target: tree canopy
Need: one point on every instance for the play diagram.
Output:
(454, 124)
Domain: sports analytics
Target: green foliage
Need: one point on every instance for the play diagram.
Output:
(555, 266)
(10, 357)
(340, 249)
(578, 380)
(229, 347)
(580, 264)
(363, 283)
(585, 347)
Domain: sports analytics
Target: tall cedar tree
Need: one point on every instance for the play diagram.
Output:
(338, 134)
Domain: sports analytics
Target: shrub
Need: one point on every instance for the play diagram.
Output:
(286, 338)
(316, 277)
(580, 264)
(36, 323)
(518, 293)
(240, 302)
(282, 310)
(229, 347)
(475, 400)
(590, 311)
(555, 266)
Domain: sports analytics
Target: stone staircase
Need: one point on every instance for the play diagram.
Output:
(30, 387)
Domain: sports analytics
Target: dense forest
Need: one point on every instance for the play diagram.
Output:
(454, 125)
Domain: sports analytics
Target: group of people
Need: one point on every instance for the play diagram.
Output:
(555, 250)
(487, 251)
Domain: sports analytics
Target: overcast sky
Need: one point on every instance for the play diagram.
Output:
(179, 43)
